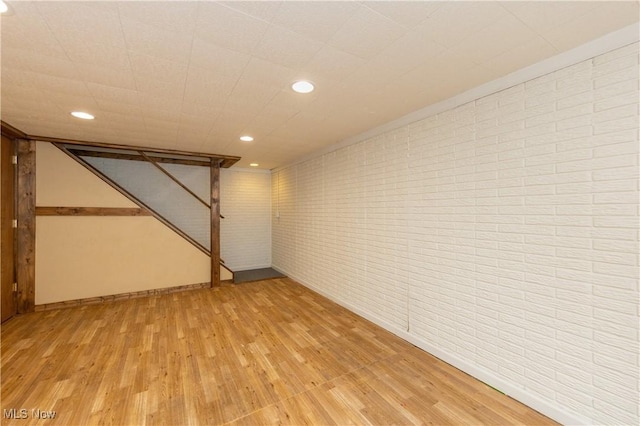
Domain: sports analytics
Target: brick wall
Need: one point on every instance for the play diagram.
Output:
(501, 235)
(245, 232)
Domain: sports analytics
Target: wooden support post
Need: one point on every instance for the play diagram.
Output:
(215, 222)
(7, 233)
(26, 232)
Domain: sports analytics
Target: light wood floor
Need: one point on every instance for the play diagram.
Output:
(267, 352)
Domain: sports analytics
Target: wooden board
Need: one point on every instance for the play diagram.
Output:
(225, 160)
(91, 211)
(215, 223)
(26, 233)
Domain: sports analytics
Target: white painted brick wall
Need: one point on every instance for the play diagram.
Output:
(245, 231)
(503, 233)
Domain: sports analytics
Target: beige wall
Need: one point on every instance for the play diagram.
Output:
(82, 257)
(61, 181)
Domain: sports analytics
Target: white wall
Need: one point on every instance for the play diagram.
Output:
(501, 235)
(245, 231)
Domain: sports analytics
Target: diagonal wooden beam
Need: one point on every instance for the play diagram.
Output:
(173, 178)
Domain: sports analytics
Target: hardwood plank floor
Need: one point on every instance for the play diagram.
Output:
(266, 352)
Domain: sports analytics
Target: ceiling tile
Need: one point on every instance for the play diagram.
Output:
(16, 78)
(153, 67)
(491, 41)
(604, 18)
(207, 88)
(194, 122)
(205, 111)
(250, 99)
(301, 124)
(161, 89)
(246, 106)
(107, 56)
(83, 23)
(31, 98)
(187, 143)
(286, 48)
(266, 73)
(456, 21)
(29, 30)
(154, 41)
(406, 13)
(442, 70)
(289, 99)
(541, 16)
(271, 117)
(34, 61)
(119, 109)
(169, 16)
(225, 63)
(67, 102)
(406, 53)
(229, 28)
(263, 10)
(62, 86)
(159, 125)
(159, 104)
(330, 64)
(110, 94)
(366, 33)
(121, 121)
(315, 20)
(519, 57)
(96, 73)
(159, 77)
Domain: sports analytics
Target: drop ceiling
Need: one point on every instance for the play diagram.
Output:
(196, 75)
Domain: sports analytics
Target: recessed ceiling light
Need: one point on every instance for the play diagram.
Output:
(3, 7)
(83, 115)
(303, 86)
(254, 164)
(246, 138)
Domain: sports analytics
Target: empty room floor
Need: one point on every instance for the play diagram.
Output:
(266, 352)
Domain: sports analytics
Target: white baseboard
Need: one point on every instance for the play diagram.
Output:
(515, 391)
